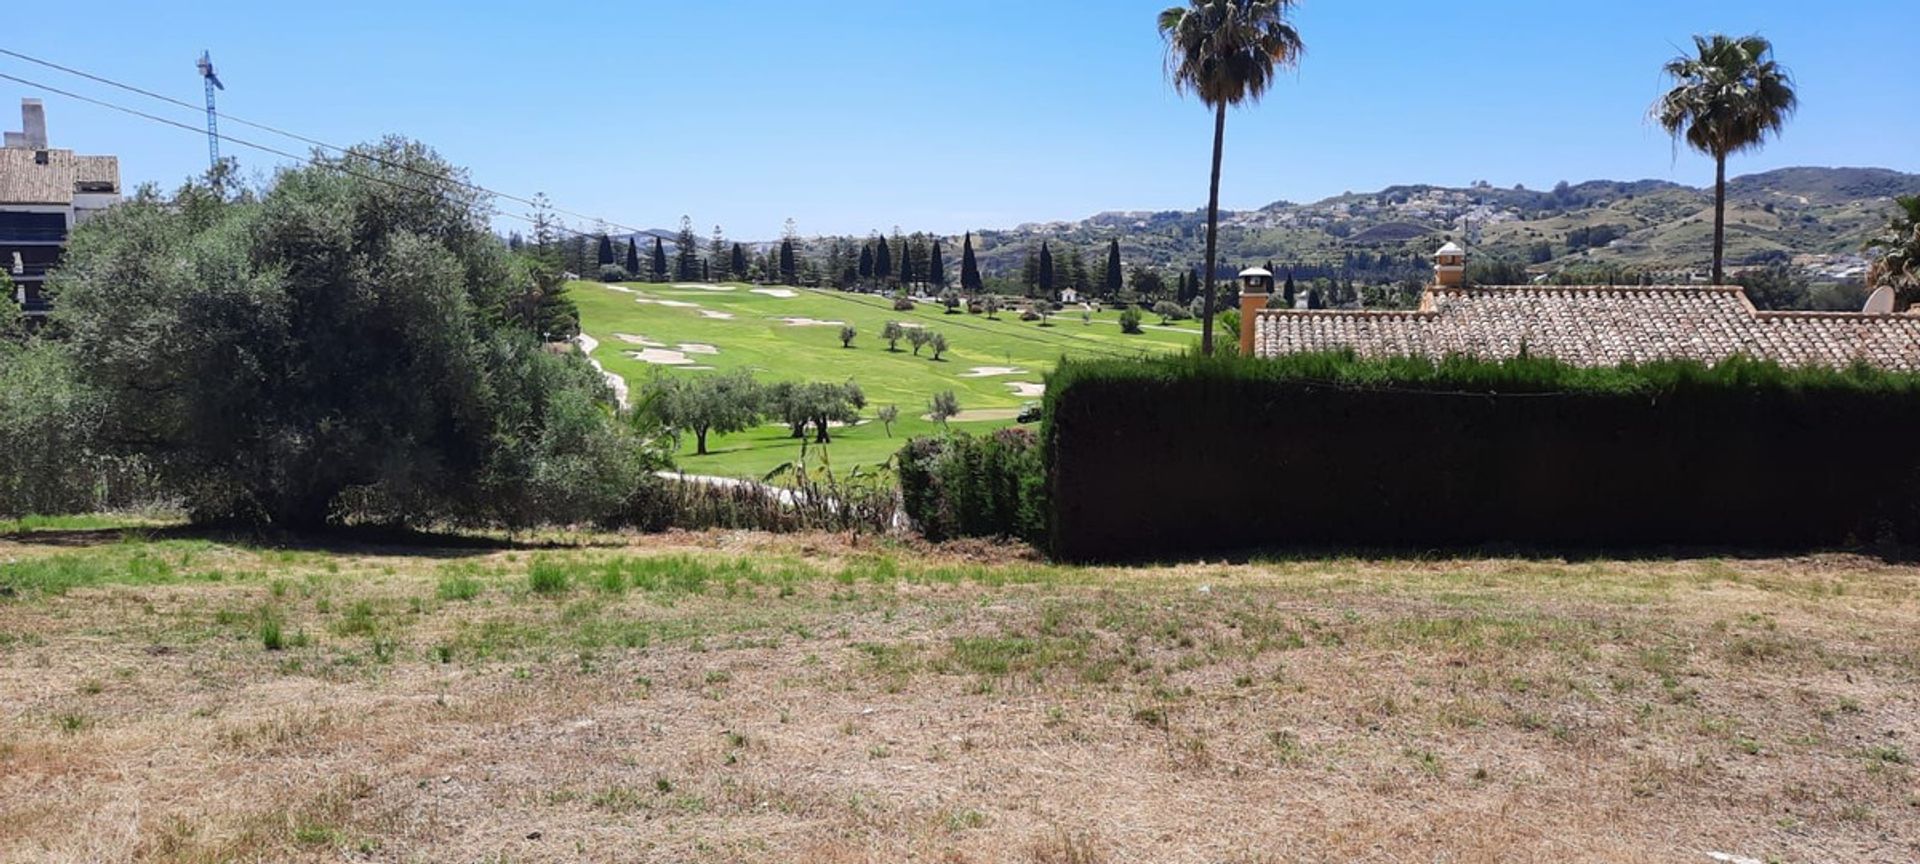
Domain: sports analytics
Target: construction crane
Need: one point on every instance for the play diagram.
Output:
(213, 126)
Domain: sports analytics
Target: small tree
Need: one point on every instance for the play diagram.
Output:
(846, 335)
(1130, 320)
(893, 333)
(938, 342)
(919, 337)
(993, 308)
(887, 415)
(1170, 311)
(950, 300)
(943, 407)
(705, 405)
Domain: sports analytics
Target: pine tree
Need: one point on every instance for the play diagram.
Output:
(606, 251)
(1046, 271)
(659, 260)
(717, 254)
(686, 255)
(633, 258)
(937, 266)
(1111, 283)
(969, 268)
(739, 265)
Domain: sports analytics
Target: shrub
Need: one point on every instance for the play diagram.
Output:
(847, 332)
(903, 303)
(1130, 320)
(1170, 311)
(966, 486)
(1331, 449)
(614, 273)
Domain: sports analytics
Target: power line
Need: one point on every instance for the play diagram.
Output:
(349, 151)
(303, 160)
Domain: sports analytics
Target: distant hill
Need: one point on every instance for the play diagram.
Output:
(1819, 215)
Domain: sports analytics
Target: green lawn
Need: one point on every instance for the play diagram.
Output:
(758, 336)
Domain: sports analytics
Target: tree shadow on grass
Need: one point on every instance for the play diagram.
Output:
(366, 540)
(1302, 553)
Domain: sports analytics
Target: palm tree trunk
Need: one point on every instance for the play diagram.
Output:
(1213, 231)
(1719, 218)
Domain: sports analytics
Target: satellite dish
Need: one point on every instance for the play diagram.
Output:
(1880, 302)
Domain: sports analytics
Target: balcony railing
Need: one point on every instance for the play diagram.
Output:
(33, 235)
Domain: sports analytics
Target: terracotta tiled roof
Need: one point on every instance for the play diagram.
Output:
(1598, 326)
(23, 180)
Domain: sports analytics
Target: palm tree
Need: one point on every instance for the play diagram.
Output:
(1728, 96)
(1225, 51)
(1897, 261)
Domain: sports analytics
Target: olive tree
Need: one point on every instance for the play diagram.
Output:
(706, 405)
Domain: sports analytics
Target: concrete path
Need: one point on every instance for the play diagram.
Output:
(619, 384)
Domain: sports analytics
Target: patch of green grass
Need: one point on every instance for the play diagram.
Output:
(758, 338)
(58, 574)
(457, 586)
(549, 576)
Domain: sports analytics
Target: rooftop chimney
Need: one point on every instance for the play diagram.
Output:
(1449, 266)
(33, 127)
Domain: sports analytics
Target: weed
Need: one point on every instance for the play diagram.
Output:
(548, 576)
(457, 587)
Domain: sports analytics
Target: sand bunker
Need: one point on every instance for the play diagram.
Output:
(991, 371)
(723, 316)
(632, 339)
(677, 304)
(698, 348)
(700, 286)
(782, 293)
(979, 414)
(812, 322)
(1021, 388)
(620, 288)
(660, 357)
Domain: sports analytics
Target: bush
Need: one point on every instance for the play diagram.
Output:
(1130, 320)
(1329, 449)
(614, 273)
(903, 303)
(966, 486)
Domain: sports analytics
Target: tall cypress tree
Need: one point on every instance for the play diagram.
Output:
(882, 260)
(969, 268)
(739, 266)
(788, 272)
(1111, 284)
(906, 265)
(1288, 295)
(659, 260)
(633, 259)
(866, 261)
(937, 266)
(606, 250)
(1046, 271)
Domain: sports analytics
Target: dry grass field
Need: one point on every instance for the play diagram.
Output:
(739, 697)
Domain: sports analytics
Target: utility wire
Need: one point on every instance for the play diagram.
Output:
(445, 178)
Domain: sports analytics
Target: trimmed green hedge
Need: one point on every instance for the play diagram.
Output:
(1173, 457)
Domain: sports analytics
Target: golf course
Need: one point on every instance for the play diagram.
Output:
(993, 365)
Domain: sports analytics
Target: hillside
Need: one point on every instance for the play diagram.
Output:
(1821, 215)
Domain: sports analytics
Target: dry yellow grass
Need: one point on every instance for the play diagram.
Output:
(747, 698)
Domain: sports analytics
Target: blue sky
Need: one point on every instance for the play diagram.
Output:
(952, 114)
